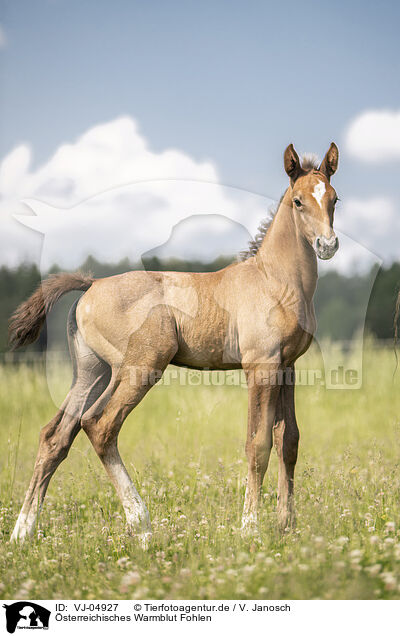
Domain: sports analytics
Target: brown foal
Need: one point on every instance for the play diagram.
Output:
(257, 315)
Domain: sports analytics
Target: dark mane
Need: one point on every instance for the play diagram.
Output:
(309, 163)
(255, 243)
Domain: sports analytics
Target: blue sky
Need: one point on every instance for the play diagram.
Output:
(231, 83)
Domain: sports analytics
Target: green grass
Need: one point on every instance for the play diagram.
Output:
(184, 447)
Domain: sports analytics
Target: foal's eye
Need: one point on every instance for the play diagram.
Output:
(297, 203)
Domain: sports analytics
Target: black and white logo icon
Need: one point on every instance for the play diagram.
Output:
(26, 615)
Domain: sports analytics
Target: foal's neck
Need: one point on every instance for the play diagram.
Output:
(286, 255)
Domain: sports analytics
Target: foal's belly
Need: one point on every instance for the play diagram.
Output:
(207, 342)
(203, 362)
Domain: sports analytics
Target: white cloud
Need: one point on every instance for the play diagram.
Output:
(368, 231)
(374, 136)
(108, 194)
(106, 156)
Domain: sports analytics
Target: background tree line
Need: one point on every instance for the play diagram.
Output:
(340, 300)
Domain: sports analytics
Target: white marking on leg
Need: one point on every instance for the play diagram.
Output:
(24, 526)
(319, 192)
(137, 515)
(249, 517)
(249, 520)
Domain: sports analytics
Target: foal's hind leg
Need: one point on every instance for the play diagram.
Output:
(91, 376)
(286, 440)
(133, 382)
(103, 434)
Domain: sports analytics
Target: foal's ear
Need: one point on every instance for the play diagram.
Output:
(292, 163)
(330, 161)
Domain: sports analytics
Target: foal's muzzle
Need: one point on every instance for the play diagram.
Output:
(325, 248)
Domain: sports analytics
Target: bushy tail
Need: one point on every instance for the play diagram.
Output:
(26, 322)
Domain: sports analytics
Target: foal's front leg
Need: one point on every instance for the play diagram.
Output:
(261, 417)
(286, 441)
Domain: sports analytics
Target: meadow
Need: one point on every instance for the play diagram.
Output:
(184, 447)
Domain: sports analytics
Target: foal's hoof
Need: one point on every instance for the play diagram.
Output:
(20, 535)
(144, 539)
(249, 525)
(286, 523)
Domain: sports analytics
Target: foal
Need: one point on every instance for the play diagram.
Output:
(257, 315)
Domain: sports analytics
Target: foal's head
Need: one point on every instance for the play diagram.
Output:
(314, 199)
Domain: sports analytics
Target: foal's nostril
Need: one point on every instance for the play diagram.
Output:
(333, 242)
(317, 242)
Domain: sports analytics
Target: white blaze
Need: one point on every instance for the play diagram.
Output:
(319, 192)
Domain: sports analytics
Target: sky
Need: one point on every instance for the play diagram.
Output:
(100, 96)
